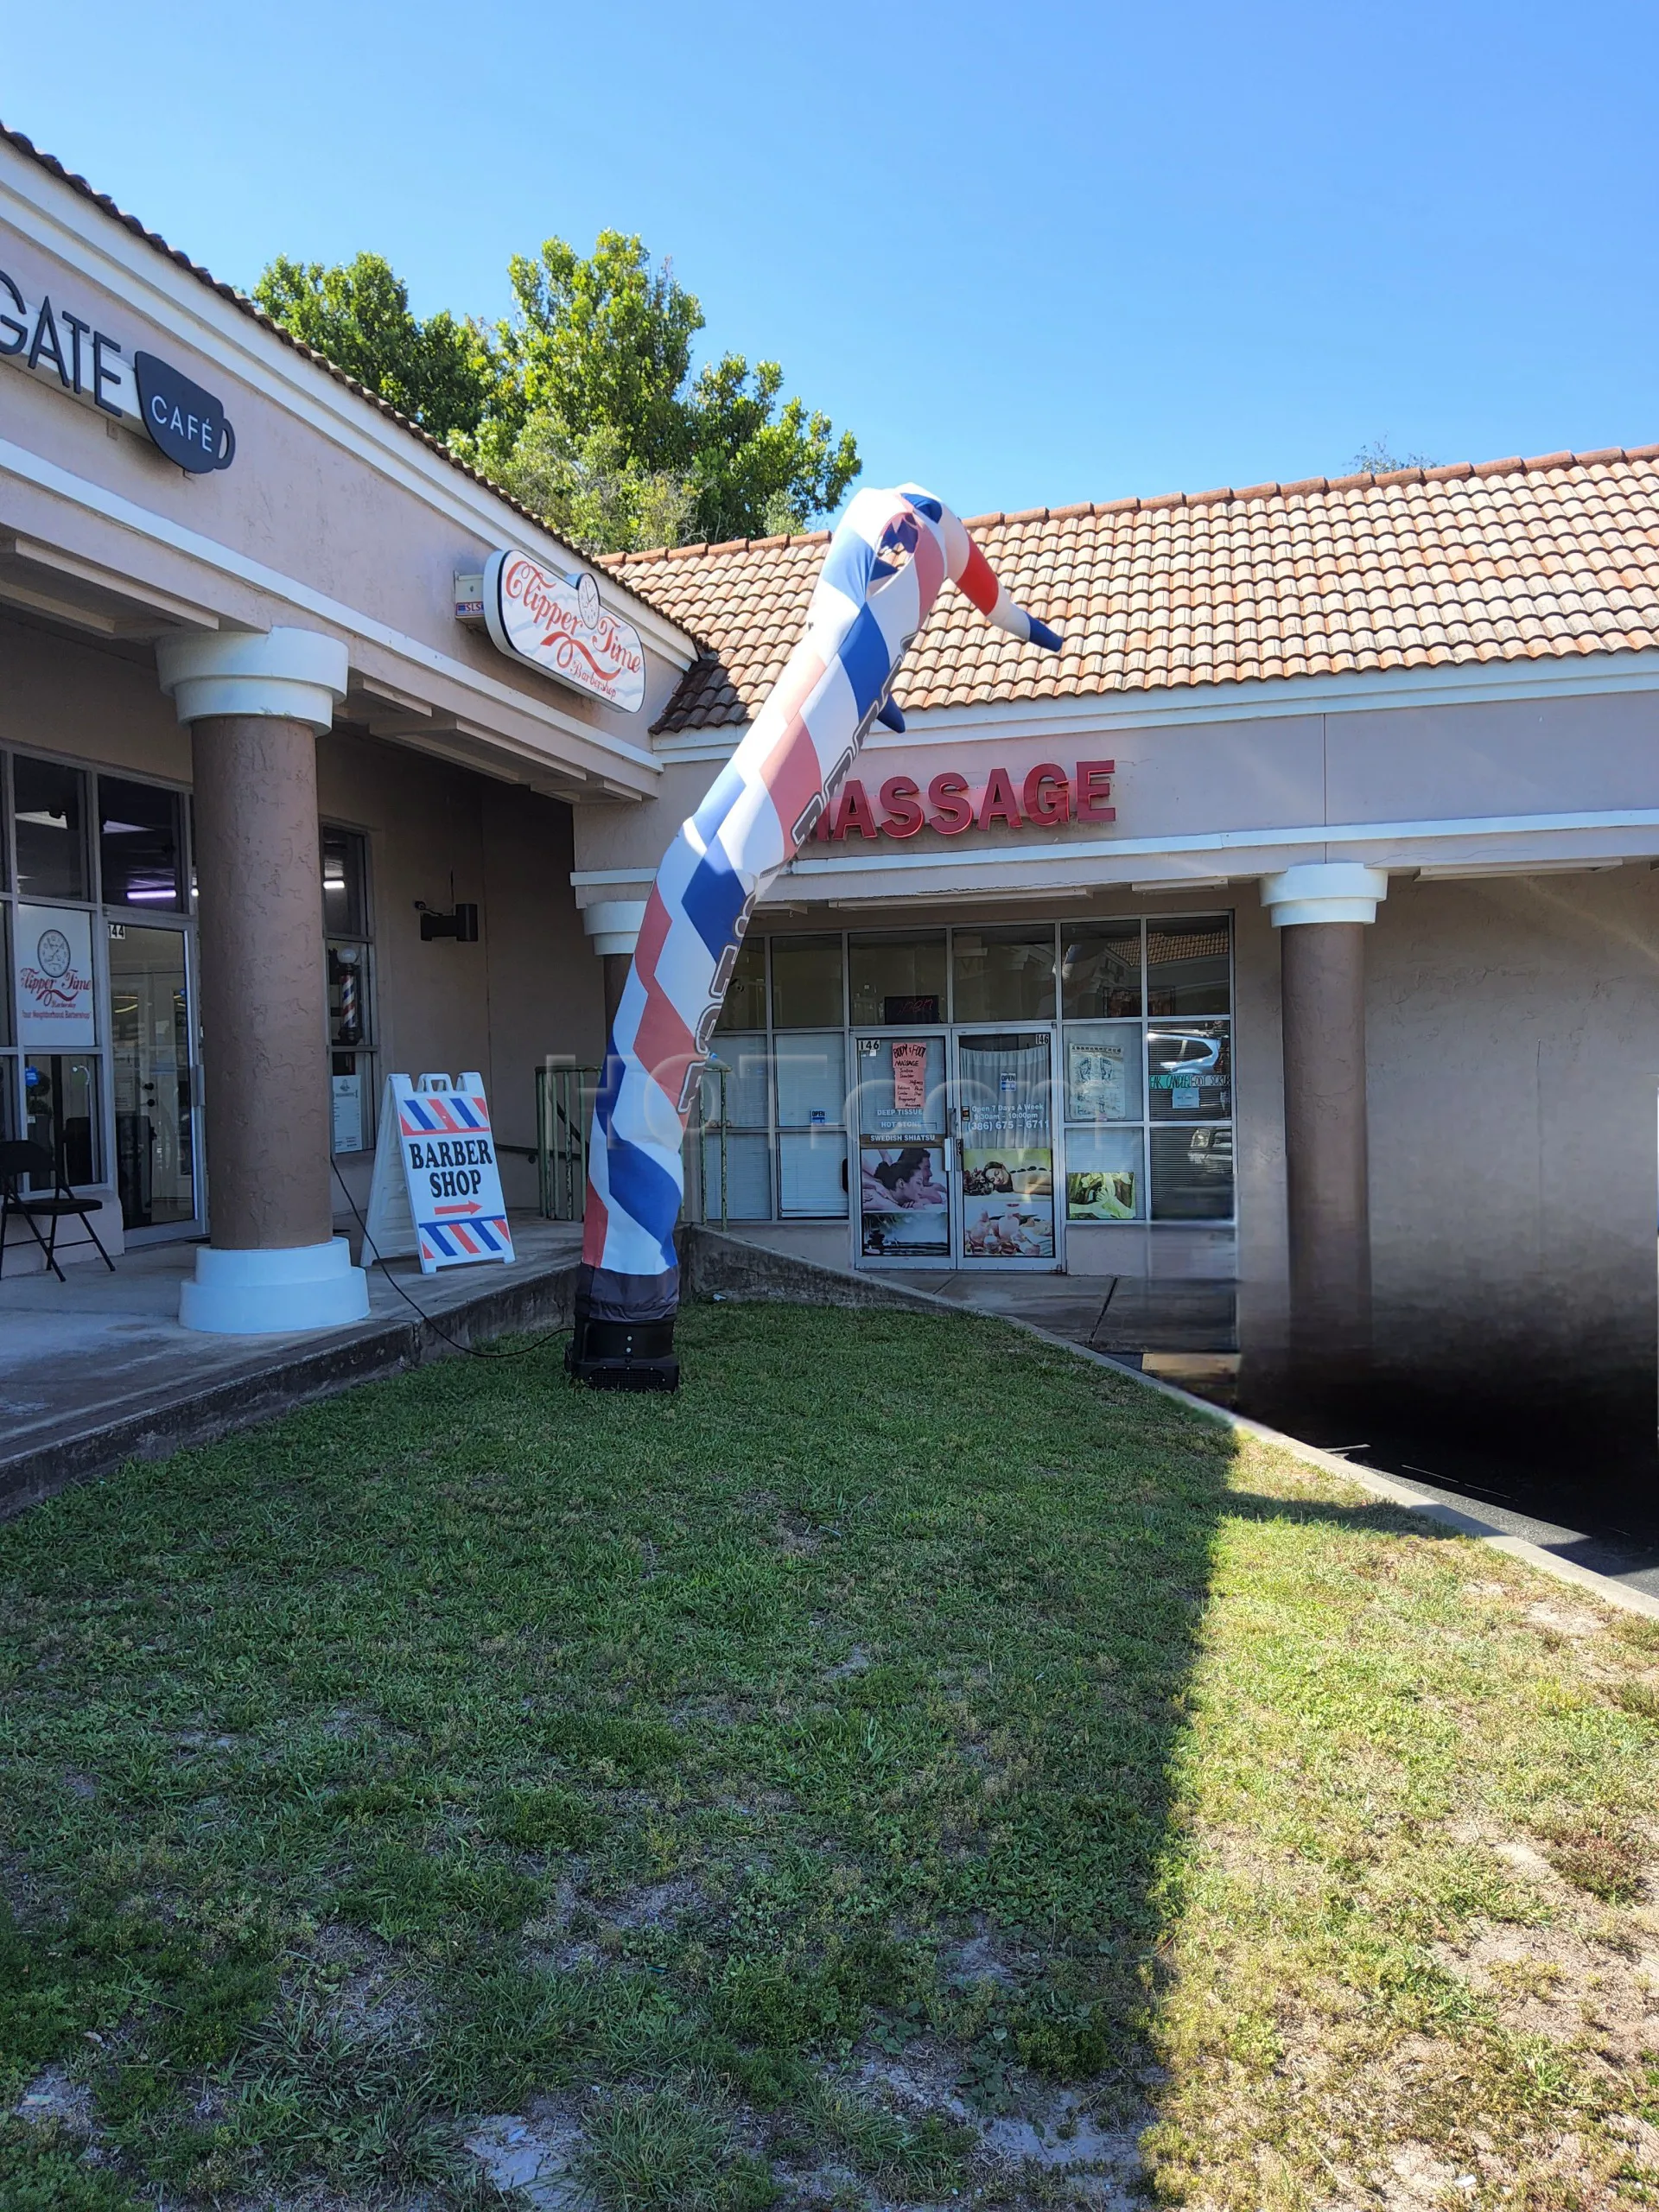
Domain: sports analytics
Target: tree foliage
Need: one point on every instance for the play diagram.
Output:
(1378, 459)
(439, 372)
(583, 402)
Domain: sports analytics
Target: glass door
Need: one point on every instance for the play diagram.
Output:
(903, 1212)
(1005, 1132)
(153, 1078)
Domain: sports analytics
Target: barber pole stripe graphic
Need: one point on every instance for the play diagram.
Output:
(442, 1241)
(435, 1113)
(882, 571)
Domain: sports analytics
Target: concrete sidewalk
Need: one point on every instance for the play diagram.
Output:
(96, 1370)
(1174, 1324)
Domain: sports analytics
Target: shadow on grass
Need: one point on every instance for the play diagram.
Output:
(799, 1754)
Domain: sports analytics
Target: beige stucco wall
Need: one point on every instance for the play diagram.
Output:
(531, 985)
(102, 702)
(1432, 779)
(1513, 1079)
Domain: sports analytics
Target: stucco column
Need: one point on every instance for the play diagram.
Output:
(613, 926)
(255, 704)
(1322, 910)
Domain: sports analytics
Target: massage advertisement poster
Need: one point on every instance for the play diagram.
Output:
(1097, 1078)
(903, 1201)
(1007, 1202)
(909, 1074)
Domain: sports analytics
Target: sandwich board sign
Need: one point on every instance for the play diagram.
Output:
(437, 1189)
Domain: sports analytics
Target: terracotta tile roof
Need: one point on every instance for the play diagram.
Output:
(56, 168)
(1506, 560)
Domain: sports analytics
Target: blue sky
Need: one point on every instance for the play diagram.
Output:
(1029, 257)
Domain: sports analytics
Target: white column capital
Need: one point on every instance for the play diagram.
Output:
(614, 924)
(298, 674)
(1324, 890)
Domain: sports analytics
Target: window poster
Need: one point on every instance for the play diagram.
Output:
(1099, 1194)
(1007, 1202)
(347, 1095)
(904, 1201)
(52, 953)
(909, 1074)
(1097, 1079)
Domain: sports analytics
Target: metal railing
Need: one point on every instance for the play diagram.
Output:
(564, 1114)
(564, 1121)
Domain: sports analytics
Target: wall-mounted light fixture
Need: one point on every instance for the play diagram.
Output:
(462, 925)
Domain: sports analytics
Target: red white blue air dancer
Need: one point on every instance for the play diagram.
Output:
(881, 575)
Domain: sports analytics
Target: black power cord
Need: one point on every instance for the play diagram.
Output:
(473, 1351)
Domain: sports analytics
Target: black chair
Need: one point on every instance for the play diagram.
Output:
(19, 1157)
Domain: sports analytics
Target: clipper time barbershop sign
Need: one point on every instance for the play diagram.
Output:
(51, 955)
(140, 391)
(561, 624)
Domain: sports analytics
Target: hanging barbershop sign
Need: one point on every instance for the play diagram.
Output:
(139, 391)
(559, 624)
(1046, 799)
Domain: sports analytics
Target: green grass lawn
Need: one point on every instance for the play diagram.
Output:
(911, 1766)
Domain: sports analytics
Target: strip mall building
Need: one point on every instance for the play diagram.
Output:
(1296, 925)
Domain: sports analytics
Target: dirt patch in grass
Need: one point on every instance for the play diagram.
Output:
(479, 1792)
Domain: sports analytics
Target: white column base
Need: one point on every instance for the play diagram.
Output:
(250, 1293)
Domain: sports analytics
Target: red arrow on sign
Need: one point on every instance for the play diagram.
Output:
(471, 1206)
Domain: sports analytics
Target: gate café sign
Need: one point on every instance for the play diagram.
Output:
(560, 624)
(188, 423)
(1046, 799)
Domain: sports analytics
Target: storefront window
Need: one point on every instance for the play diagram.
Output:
(351, 1031)
(744, 1005)
(60, 1104)
(345, 883)
(736, 1077)
(1103, 1072)
(812, 1089)
(97, 1035)
(736, 1113)
(1128, 1081)
(1189, 1073)
(49, 816)
(7, 1058)
(149, 1065)
(138, 844)
(1003, 974)
(1100, 971)
(1189, 967)
(1192, 1174)
(842, 1101)
(897, 979)
(806, 982)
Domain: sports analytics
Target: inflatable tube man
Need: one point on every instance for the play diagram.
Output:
(886, 563)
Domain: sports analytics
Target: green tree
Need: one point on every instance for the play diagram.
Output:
(583, 403)
(1378, 459)
(439, 372)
